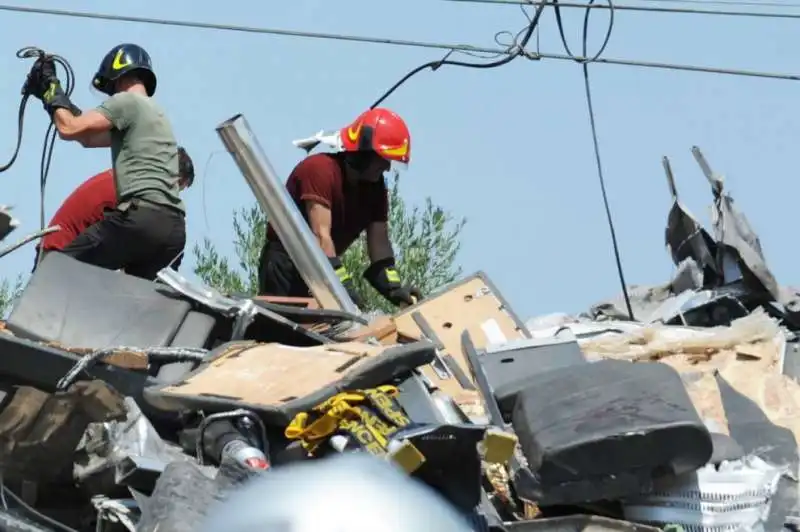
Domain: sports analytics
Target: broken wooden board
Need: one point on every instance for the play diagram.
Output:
(473, 304)
(273, 374)
(382, 328)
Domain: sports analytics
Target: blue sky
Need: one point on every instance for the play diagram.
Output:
(508, 148)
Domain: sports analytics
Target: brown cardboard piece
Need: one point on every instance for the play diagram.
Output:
(471, 306)
(272, 374)
(748, 355)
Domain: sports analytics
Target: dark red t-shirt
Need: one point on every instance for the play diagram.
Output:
(82, 208)
(354, 206)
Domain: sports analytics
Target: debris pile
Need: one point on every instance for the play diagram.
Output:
(130, 405)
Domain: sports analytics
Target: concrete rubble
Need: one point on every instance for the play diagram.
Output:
(127, 405)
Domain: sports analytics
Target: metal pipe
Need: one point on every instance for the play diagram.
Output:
(283, 215)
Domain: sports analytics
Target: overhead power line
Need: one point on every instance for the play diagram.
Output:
(740, 3)
(249, 29)
(671, 66)
(496, 51)
(642, 8)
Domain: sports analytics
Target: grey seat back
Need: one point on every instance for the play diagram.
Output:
(81, 305)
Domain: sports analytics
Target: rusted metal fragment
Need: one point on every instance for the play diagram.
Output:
(40, 431)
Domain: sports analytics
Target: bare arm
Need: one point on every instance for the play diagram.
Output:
(91, 129)
(99, 140)
(319, 218)
(379, 246)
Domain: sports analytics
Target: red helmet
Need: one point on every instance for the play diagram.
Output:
(379, 130)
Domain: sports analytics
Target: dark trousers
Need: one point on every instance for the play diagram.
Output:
(277, 275)
(142, 239)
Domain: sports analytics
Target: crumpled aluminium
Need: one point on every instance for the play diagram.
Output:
(112, 444)
(733, 496)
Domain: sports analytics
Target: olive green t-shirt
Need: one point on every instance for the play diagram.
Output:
(144, 151)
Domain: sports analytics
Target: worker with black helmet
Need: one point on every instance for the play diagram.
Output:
(146, 231)
(88, 204)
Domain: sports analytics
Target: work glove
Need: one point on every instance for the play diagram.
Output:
(346, 279)
(43, 83)
(384, 278)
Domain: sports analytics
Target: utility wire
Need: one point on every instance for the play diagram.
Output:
(742, 3)
(251, 29)
(398, 42)
(670, 66)
(584, 61)
(642, 8)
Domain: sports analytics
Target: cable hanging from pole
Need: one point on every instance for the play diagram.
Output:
(584, 61)
(514, 50)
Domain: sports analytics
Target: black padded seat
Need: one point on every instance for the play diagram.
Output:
(80, 305)
(509, 367)
(606, 430)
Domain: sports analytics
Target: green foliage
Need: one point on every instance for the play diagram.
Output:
(249, 230)
(425, 240)
(9, 293)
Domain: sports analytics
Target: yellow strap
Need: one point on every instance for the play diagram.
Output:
(324, 425)
(383, 400)
(339, 413)
(369, 430)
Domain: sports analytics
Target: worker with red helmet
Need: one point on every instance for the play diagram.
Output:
(341, 195)
(91, 201)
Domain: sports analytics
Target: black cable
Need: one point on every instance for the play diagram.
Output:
(50, 141)
(20, 124)
(30, 52)
(584, 61)
(23, 53)
(515, 50)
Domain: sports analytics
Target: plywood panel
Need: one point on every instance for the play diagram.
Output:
(472, 306)
(272, 374)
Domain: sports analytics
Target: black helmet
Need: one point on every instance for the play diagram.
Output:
(123, 59)
(185, 166)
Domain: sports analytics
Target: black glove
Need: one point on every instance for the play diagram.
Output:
(37, 81)
(384, 278)
(43, 83)
(346, 279)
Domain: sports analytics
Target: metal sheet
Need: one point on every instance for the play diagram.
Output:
(283, 215)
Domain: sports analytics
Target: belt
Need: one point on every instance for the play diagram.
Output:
(147, 204)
